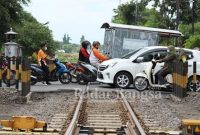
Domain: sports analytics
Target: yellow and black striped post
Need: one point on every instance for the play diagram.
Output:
(194, 76)
(180, 78)
(8, 72)
(1, 62)
(20, 67)
(0, 77)
(25, 76)
(17, 73)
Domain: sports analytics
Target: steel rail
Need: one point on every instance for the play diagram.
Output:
(133, 116)
(73, 124)
(133, 128)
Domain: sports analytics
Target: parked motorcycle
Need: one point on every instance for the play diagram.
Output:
(88, 75)
(60, 73)
(4, 66)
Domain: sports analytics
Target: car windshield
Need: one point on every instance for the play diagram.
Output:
(127, 56)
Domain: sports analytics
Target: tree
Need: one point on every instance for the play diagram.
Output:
(65, 39)
(82, 39)
(193, 41)
(10, 14)
(129, 13)
(190, 40)
(32, 34)
(68, 39)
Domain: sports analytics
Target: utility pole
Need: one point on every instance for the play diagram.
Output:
(193, 12)
(178, 13)
(136, 12)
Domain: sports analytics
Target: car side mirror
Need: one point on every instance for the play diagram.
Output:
(140, 59)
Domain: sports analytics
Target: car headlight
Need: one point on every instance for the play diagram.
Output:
(113, 64)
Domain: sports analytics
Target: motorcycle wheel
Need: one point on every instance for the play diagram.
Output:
(141, 83)
(33, 81)
(73, 73)
(81, 81)
(12, 78)
(34, 78)
(65, 78)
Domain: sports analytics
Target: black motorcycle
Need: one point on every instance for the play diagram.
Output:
(89, 74)
(60, 73)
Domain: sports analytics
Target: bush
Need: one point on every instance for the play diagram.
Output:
(192, 41)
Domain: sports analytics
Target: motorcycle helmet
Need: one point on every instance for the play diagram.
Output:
(85, 44)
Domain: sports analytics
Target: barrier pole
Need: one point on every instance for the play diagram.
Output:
(25, 76)
(17, 73)
(8, 72)
(194, 76)
(0, 77)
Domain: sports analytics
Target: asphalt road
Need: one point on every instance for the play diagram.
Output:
(56, 86)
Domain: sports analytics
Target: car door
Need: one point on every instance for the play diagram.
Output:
(147, 58)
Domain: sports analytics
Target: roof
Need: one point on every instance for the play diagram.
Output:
(162, 32)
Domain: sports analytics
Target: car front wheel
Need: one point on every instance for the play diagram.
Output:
(123, 80)
(191, 85)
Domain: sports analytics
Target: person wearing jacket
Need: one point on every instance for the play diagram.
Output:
(95, 56)
(83, 53)
(167, 68)
(41, 58)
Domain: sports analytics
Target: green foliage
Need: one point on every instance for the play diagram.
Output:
(193, 41)
(32, 33)
(187, 29)
(71, 48)
(130, 12)
(10, 12)
(66, 40)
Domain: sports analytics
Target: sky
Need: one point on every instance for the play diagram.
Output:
(74, 17)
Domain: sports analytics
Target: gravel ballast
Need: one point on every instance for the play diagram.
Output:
(43, 106)
(165, 113)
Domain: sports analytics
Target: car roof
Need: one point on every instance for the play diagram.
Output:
(165, 47)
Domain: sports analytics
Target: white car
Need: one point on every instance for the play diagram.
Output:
(122, 71)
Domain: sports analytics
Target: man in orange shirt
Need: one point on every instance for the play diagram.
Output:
(96, 57)
(41, 58)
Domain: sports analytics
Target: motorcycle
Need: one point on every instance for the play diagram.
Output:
(74, 69)
(146, 79)
(88, 75)
(60, 73)
(4, 66)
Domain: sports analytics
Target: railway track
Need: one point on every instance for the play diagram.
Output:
(107, 114)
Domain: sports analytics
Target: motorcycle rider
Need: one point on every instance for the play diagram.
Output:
(167, 68)
(96, 57)
(83, 53)
(41, 58)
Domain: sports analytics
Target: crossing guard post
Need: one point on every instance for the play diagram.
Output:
(25, 76)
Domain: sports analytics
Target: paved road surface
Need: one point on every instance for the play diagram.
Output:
(56, 86)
